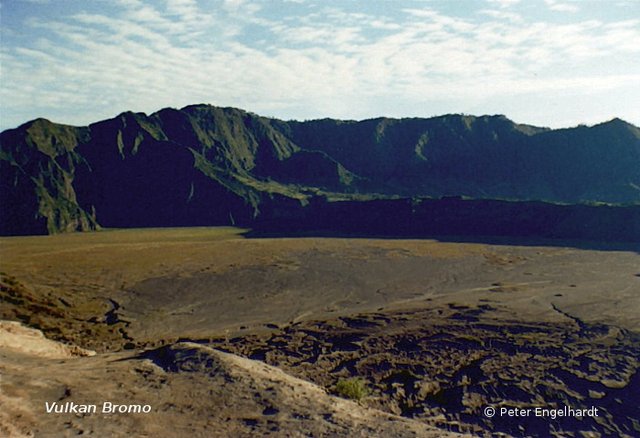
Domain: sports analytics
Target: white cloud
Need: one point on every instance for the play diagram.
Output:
(330, 62)
(502, 15)
(557, 6)
(503, 3)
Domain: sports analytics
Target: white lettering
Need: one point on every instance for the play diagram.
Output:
(70, 407)
(110, 408)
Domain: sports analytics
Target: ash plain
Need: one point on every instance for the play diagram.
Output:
(188, 319)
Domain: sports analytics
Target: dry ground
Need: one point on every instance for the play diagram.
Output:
(444, 328)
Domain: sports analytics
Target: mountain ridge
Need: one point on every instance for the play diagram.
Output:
(206, 165)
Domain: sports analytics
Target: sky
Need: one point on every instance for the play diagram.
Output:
(555, 63)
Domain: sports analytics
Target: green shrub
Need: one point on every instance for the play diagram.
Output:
(353, 388)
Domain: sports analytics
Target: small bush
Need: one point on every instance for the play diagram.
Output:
(353, 388)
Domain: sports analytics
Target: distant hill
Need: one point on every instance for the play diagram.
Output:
(204, 165)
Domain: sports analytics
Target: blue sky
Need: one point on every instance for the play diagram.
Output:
(552, 63)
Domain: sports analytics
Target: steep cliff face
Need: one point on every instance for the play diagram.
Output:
(484, 157)
(203, 165)
(453, 217)
(189, 167)
(38, 162)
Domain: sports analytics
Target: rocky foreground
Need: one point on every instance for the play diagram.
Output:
(192, 390)
(444, 367)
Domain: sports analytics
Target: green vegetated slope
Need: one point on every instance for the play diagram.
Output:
(204, 165)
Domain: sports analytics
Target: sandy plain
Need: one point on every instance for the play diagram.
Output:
(439, 330)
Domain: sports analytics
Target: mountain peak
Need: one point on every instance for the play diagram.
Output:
(621, 126)
(616, 121)
(37, 122)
